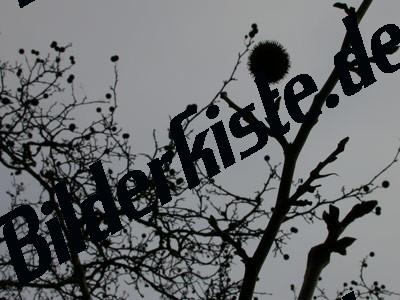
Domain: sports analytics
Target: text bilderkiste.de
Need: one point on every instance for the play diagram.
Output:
(72, 241)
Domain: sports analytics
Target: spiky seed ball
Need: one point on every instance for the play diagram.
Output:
(271, 59)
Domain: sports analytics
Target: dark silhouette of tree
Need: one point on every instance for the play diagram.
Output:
(184, 249)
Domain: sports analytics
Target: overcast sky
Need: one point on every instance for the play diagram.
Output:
(173, 53)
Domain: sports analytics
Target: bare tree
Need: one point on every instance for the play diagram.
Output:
(184, 249)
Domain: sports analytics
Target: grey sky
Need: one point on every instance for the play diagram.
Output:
(187, 48)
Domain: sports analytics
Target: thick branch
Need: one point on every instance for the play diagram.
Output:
(282, 204)
(319, 256)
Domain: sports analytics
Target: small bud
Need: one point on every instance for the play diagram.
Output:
(5, 101)
(70, 78)
(72, 127)
(385, 184)
(114, 58)
(53, 44)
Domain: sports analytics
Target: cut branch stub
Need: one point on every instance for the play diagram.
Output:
(331, 218)
(342, 244)
(359, 210)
